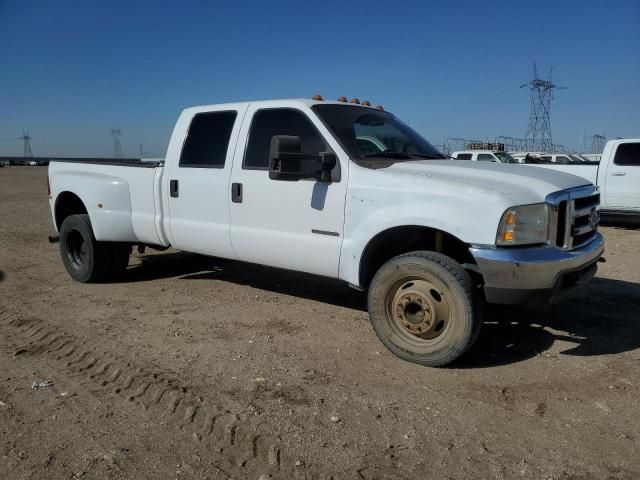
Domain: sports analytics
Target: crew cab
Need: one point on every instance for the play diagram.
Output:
(617, 174)
(341, 190)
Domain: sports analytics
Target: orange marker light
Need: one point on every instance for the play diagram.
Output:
(355, 100)
(380, 107)
(507, 236)
(366, 103)
(342, 99)
(317, 97)
(511, 218)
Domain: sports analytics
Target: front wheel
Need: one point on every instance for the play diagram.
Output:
(423, 308)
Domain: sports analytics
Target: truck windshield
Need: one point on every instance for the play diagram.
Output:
(371, 134)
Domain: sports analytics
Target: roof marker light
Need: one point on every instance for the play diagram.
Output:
(317, 97)
(342, 99)
(355, 100)
(366, 103)
(380, 107)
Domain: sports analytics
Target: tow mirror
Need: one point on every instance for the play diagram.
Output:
(288, 162)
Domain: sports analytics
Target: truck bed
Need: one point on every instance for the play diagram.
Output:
(121, 196)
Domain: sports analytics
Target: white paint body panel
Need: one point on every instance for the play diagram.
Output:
(198, 219)
(273, 224)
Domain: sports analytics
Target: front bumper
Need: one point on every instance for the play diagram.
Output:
(535, 275)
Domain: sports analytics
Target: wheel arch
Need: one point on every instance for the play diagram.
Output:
(397, 240)
(67, 204)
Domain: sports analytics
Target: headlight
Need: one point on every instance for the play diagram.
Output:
(523, 225)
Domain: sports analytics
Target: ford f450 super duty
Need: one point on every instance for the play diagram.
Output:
(341, 190)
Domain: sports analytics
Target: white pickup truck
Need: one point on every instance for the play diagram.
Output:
(617, 175)
(346, 191)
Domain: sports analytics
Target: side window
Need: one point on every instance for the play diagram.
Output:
(545, 158)
(267, 123)
(562, 159)
(207, 140)
(464, 156)
(486, 157)
(628, 154)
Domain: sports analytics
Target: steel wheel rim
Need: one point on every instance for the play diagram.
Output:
(418, 310)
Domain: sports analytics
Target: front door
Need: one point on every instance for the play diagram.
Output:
(622, 187)
(197, 184)
(290, 224)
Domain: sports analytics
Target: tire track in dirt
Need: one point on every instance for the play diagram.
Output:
(214, 424)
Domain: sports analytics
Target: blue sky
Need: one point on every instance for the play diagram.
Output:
(70, 70)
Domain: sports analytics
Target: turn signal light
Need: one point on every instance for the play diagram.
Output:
(511, 218)
(507, 236)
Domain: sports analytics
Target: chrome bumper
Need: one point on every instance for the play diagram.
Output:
(535, 275)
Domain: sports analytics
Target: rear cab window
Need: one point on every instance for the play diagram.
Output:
(464, 156)
(207, 140)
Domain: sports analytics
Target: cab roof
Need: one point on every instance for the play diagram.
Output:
(278, 103)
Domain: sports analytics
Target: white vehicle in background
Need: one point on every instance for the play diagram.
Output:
(592, 157)
(344, 191)
(617, 174)
(562, 158)
(484, 156)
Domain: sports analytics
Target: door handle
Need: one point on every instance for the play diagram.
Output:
(236, 192)
(618, 174)
(173, 188)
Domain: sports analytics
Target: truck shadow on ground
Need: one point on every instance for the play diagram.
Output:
(602, 319)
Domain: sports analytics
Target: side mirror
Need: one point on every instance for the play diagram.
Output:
(287, 162)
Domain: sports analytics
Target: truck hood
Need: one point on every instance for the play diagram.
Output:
(522, 183)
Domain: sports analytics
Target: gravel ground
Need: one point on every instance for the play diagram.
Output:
(195, 367)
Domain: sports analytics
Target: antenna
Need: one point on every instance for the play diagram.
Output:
(539, 128)
(117, 147)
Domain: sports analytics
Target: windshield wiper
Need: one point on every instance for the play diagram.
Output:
(389, 154)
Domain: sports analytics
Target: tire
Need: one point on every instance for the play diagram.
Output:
(85, 259)
(423, 308)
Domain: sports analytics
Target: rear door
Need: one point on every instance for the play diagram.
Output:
(197, 182)
(290, 224)
(622, 187)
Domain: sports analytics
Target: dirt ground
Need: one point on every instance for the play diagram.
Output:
(195, 367)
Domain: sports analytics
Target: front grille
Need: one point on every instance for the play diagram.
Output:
(577, 215)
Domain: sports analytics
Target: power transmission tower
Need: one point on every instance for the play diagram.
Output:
(117, 147)
(539, 129)
(26, 142)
